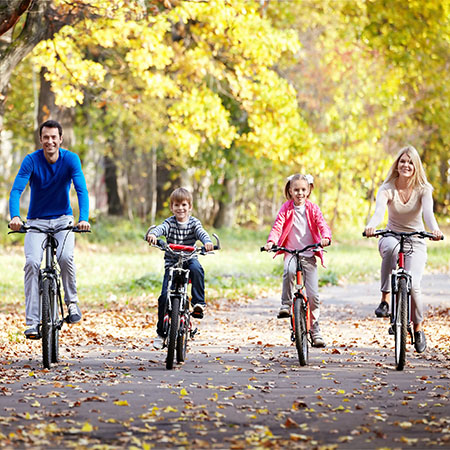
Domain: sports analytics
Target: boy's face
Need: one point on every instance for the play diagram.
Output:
(181, 210)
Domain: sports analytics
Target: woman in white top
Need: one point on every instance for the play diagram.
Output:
(408, 196)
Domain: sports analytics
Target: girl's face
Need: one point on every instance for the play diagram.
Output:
(299, 191)
(405, 166)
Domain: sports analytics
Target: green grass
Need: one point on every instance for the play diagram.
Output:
(115, 265)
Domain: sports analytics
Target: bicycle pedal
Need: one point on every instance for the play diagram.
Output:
(192, 333)
(34, 337)
(391, 330)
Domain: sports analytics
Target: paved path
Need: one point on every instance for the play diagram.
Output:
(241, 387)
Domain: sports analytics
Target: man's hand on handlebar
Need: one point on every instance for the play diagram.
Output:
(83, 225)
(16, 223)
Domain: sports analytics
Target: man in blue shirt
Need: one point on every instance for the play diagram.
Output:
(50, 172)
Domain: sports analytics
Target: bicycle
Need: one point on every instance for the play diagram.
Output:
(300, 312)
(50, 299)
(177, 318)
(401, 283)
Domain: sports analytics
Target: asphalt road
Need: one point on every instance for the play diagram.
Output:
(242, 386)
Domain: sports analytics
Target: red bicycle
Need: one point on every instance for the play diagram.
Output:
(300, 314)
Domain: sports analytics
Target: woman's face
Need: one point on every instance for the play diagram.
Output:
(405, 166)
(299, 191)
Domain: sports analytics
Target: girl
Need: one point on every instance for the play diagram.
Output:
(300, 223)
(406, 194)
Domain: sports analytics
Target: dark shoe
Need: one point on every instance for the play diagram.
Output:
(284, 312)
(382, 310)
(74, 312)
(198, 311)
(33, 332)
(317, 341)
(420, 343)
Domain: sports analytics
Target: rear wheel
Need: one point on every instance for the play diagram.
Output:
(47, 325)
(300, 331)
(401, 325)
(173, 332)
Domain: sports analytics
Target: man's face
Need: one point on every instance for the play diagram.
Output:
(51, 141)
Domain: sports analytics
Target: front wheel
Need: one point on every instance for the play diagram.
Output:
(401, 324)
(183, 336)
(47, 323)
(173, 332)
(300, 330)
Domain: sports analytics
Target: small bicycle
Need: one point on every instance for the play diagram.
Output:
(401, 283)
(50, 299)
(177, 318)
(300, 314)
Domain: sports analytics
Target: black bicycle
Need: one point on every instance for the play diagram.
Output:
(177, 317)
(300, 313)
(50, 299)
(401, 283)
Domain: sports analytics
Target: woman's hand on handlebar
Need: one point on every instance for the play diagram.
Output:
(437, 235)
(369, 232)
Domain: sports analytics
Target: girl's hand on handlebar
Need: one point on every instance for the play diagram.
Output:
(151, 239)
(209, 247)
(268, 246)
(325, 242)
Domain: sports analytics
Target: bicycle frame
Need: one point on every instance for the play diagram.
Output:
(300, 295)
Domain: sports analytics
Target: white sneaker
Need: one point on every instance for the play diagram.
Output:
(74, 312)
(158, 342)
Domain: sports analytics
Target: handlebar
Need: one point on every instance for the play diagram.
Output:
(277, 248)
(386, 232)
(26, 228)
(186, 249)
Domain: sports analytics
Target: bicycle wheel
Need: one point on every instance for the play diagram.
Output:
(401, 325)
(55, 335)
(173, 332)
(300, 330)
(47, 325)
(183, 336)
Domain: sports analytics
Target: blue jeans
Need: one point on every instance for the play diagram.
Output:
(197, 277)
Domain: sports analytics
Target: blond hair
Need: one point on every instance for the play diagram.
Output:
(179, 195)
(419, 177)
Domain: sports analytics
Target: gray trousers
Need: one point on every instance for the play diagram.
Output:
(414, 263)
(34, 249)
(311, 281)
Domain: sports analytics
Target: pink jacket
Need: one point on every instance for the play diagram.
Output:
(284, 221)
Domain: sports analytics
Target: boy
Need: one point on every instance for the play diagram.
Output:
(182, 229)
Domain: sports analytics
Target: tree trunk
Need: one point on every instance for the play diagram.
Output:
(226, 216)
(115, 207)
(153, 191)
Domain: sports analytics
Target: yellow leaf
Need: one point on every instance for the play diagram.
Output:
(184, 392)
(28, 416)
(36, 404)
(121, 403)
(170, 409)
(87, 427)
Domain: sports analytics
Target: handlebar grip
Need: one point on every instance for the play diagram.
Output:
(364, 233)
(262, 249)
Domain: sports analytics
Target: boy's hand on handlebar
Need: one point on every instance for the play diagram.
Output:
(325, 242)
(16, 223)
(83, 225)
(209, 246)
(268, 246)
(151, 239)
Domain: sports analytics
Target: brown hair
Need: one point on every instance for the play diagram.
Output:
(179, 195)
(296, 177)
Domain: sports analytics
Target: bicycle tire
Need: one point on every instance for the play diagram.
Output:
(173, 332)
(47, 324)
(55, 335)
(300, 331)
(183, 337)
(401, 325)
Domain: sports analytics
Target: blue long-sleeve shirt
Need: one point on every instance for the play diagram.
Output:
(50, 186)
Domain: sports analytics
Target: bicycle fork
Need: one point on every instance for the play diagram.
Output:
(396, 276)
